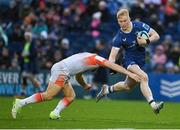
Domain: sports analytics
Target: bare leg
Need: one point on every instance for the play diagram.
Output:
(126, 85)
(146, 91)
(69, 96)
(69, 92)
(129, 84)
(51, 91)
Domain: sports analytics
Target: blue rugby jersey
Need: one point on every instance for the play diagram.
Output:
(134, 54)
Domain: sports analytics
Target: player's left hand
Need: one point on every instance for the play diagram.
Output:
(141, 41)
(135, 77)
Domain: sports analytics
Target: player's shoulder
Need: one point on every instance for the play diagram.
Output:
(117, 37)
(119, 32)
(137, 23)
(140, 25)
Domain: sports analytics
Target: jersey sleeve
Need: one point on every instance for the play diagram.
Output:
(144, 26)
(116, 42)
(99, 60)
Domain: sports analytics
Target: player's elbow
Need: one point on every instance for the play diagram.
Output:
(154, 36)
(157, 36)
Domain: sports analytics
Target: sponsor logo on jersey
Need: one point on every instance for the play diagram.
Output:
(145, 26)
(124, 39)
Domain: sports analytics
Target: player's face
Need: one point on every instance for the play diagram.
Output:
(124, 22)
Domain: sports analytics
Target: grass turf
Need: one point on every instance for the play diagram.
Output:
(89, 114)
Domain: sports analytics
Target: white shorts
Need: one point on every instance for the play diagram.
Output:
(59, 74)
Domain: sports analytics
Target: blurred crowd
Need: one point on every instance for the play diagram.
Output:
(57, 29)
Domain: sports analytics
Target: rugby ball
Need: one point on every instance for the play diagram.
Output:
(143, 34)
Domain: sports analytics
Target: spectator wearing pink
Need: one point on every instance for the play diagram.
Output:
(96, 21)
(159, 56)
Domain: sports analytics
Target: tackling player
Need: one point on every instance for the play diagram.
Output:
(59, 80)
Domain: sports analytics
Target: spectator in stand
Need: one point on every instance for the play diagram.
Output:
(29, 65)
(40, 28)
(159, 56)
(170, 68)
(102, 7)
(14, 64)
(175, 56)
(65, 48)
(159, 68)
(95, 23)
(3, 36)
(5, 61)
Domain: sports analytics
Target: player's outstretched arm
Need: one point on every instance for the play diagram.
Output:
(81, 81)
(120, 69)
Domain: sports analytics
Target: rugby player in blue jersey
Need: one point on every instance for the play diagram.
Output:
(134, 58)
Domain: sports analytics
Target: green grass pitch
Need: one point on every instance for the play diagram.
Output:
(86, 114)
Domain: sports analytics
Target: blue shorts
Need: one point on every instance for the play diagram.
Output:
(133, 60)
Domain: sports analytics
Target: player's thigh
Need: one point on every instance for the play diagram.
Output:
(137, 70)
(68, 91)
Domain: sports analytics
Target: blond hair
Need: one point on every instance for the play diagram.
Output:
(122, 12)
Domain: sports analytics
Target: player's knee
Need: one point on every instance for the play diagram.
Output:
(71, 97)
(127, 87)
(47, 96)
(144, 77)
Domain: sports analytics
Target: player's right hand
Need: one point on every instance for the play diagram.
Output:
(134, 76)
